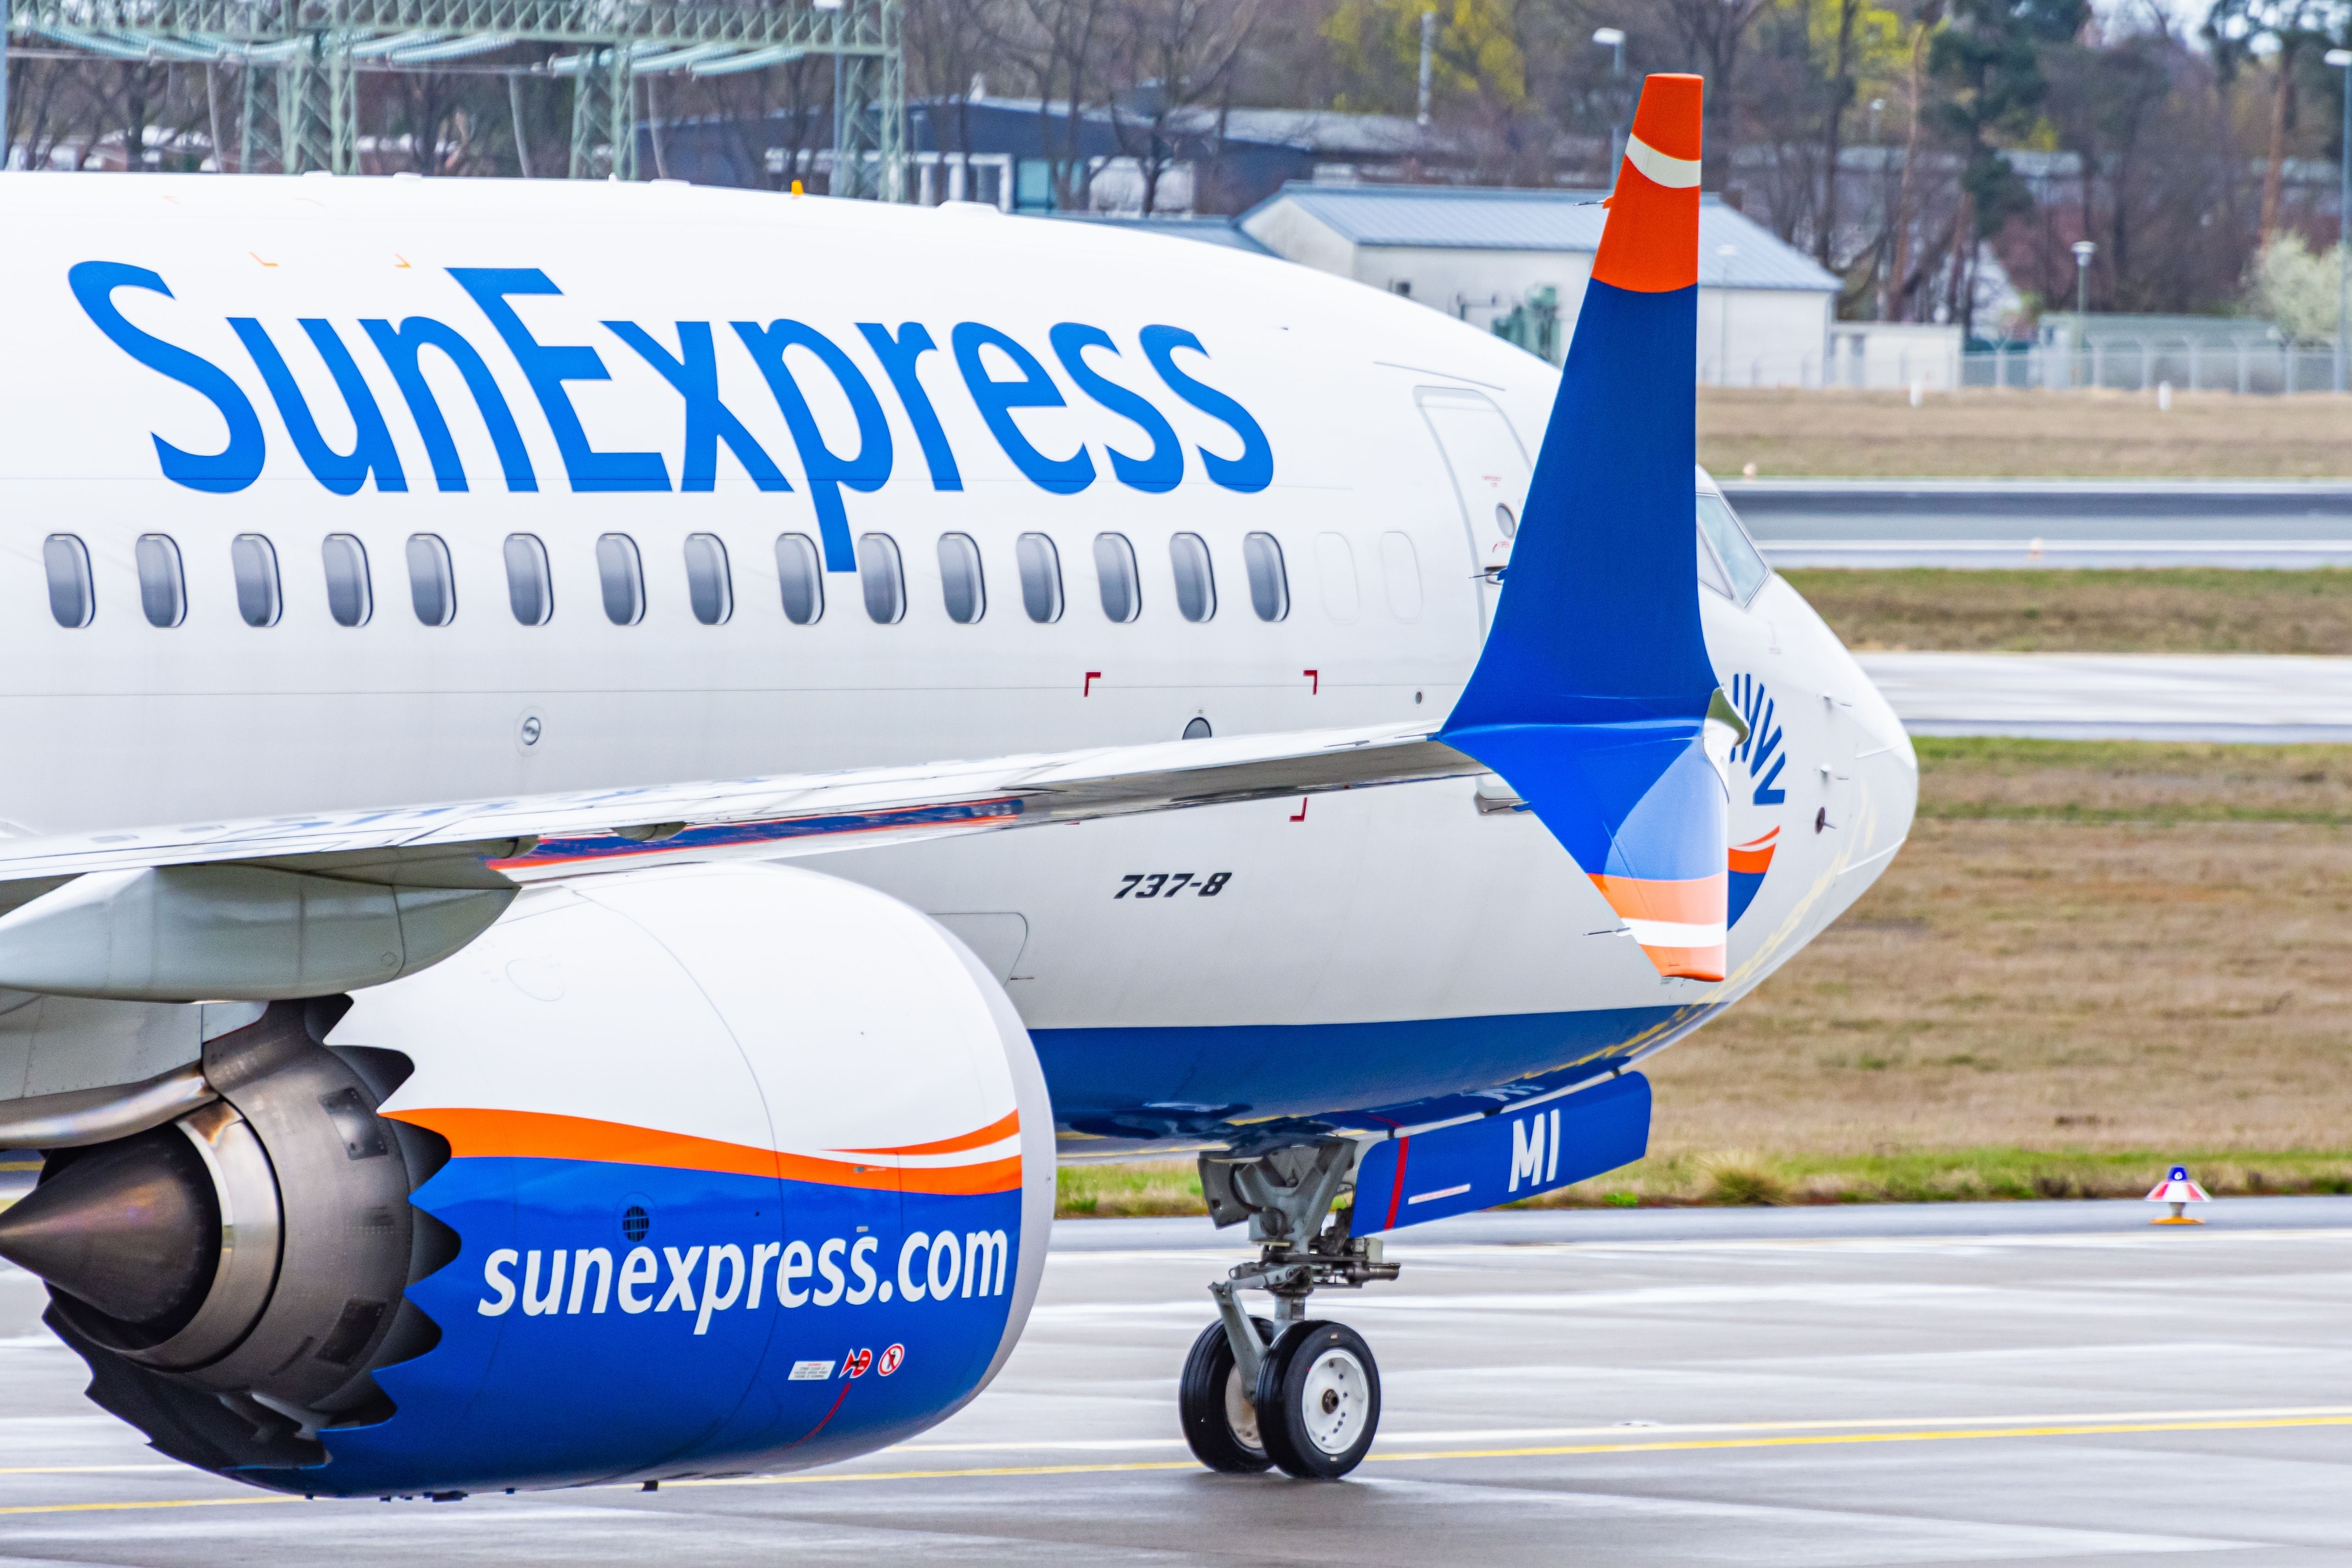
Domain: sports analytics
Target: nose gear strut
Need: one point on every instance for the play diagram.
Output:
(1241, 1416)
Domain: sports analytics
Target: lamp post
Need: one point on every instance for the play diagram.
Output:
(2342, 60)
(2084, 250)
(1724, 253)
(1428, 54)
(1613, 39)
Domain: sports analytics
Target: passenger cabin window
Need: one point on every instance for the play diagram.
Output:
(162, 583)
(254, 561)
(1040, 577)
(1269, 583)
(1504, 523)
(431, 586)
(1122, 590)
(73, 599)
(800, 575)
(622, 574)
(1335, 561)
(959, 579)
(1401, 570)
(709, 587)
(351, 597)
(1196, 580)
(1732, 546)
(883, 578)
(531, 588)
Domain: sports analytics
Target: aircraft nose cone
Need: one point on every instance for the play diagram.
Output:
(133, 1229)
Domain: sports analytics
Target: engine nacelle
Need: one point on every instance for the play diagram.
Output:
(714, 1169)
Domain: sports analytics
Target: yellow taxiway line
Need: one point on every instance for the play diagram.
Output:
(1429, 1455)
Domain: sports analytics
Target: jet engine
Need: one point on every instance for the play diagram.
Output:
(687, 1171)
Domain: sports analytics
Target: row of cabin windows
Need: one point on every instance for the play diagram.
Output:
(710, 591)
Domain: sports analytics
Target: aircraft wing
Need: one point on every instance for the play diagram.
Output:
(330, 902)
(525, 838)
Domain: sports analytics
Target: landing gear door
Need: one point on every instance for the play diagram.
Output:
(1490, 472)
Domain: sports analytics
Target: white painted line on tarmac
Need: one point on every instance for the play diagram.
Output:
(1664, 1429)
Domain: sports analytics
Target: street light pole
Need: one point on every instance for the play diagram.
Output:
(1613, 39)
(2342, 60)
(1428, 52)
(1724, 253)
(2084, 250)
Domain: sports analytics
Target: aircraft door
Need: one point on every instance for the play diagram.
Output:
(1490, 473)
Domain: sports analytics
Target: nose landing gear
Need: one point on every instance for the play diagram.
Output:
(1296, 1393)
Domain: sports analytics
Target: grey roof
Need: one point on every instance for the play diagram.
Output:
(1461, 217)
(1222, 231)
(1317, 131)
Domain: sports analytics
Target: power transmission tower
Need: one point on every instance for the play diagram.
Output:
(306, 50)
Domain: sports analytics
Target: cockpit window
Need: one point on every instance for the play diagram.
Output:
(1710, 570)
(1740, 560)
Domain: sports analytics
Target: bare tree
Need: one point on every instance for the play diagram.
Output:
(1170, 56)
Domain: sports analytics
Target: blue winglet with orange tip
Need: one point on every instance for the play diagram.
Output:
(1591, 695)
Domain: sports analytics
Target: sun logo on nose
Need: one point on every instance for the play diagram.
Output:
(1755, 765)
(1760, 752)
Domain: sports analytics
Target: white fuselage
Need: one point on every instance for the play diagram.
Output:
(1388, 904)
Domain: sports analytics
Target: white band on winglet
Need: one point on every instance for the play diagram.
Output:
(1674, 934)
(1674, 174)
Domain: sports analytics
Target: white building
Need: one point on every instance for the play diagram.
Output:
(1895, 354)
(1764, 308)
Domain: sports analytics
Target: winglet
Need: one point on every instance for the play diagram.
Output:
(1651, 242)
(1591, 694)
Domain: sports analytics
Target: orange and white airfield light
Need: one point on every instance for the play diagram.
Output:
(2178, 1190)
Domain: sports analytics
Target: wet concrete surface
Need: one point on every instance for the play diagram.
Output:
(2012, 1383)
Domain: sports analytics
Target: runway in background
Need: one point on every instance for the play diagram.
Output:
(1985, 523)
(2251, 698)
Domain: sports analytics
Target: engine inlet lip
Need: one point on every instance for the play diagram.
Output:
(251, 1228)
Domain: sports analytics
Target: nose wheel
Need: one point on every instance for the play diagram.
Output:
(1296, 1393)
(1219, 1406)
(1319, 1400)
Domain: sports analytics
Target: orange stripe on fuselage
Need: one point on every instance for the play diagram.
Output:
(994, 1132)
(478, 1134)
(1701, 901)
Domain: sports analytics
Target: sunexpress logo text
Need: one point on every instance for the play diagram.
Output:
(709, 1278)
(983, 356)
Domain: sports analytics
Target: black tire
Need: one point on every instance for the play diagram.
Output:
(1319, 1400)
(1220, 1424)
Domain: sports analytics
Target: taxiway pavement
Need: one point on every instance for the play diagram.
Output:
(1834, 1388)
(2248, 697)
(2282, 524)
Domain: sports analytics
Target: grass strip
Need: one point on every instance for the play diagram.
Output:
(2160, 782)
(1989, 1174)
(1990, 433)
(2193, 610)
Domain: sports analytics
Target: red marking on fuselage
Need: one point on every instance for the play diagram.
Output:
(1316, 677)
(821, 1420)
(1300, 815)
(1396, 1193)
(1092, 676)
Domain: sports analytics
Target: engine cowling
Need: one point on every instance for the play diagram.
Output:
(679, 1172)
